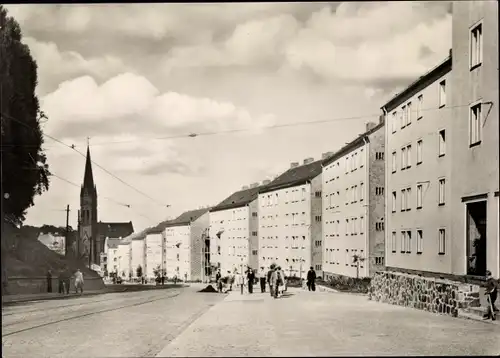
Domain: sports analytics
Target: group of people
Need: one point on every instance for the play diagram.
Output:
(64, 281)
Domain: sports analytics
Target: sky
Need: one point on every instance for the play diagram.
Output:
(134, 79)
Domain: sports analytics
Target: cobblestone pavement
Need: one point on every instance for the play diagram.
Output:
(321, 324)
(131, 324)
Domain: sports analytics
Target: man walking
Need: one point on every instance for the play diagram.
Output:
(251, 279)
(262, 278)
(240, 279)
(269, 276)
(79, 281)
(311, 277)
(49, 281)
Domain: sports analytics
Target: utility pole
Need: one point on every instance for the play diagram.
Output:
(66, 241)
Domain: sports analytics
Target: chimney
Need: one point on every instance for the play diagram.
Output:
(265, 182)
(370, 125)
(308, 160)
(244, 187)
(326, 155)
(294, 165)
(254, 185)
(381, 119)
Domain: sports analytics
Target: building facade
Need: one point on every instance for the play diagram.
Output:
(418, 174)
(124, 253)
(290, 220)
(354, 206)
(474, 204)
(233, 231)
(137, 255)
(110, 257)
(154, 254)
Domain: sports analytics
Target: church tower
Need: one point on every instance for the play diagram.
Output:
(87, 216)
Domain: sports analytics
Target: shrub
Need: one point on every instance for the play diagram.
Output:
(348, 284)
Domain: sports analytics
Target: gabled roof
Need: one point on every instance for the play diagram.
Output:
(113, 243)
(238, 199)
(115, 230)
(187, 217)
(352, 145)
(295, 176)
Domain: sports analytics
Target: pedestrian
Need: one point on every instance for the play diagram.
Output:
(49, 281)
(269, 276)
(280, 282)
(240, 279)
(251, 279)
(175, 280)
(162, 279)
(262, 278)
(60, 282)
(491, 295)
(311, 277)
(274, 282)
(232, 278)
(79, 281)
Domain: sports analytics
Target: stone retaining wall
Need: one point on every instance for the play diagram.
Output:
(429, 294)
(25, 285)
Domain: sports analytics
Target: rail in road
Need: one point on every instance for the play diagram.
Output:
(22, 321)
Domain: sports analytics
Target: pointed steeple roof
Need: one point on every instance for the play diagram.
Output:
(88, 178)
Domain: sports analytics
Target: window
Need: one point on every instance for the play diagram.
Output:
(318, 218)
(408, 156)
(254, 252)
(361, 224)
(394, 162)
(361, 192)
(403, 117)
(403, 200)
(408, 242)
(394, 121)
(254, 233)
(393, 201)
(361, 158)
(403, 242)
(442, 142)
(420, 103)
(347, 227)
(408, 199)
(303, 194)
(442, 241)
(347, 165)
(403, 158)
(254, 215)
(441, 191)
(347, 196)
(393, 241)
(379, 155)
(476, 46)
(419, 151)
(379, 226)
(379, 260)
(419, 196)
(475, 125)
(420, 241)
(276, 199)
(442, 93)
(409, 115)
(317, 194)
(379, 190)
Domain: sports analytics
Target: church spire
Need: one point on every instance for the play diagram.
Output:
(88, 178)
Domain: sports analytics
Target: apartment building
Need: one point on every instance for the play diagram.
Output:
(353, 182)
(185, 242)
(124, 253)
(289, 209)
(418, 174)
(475, 143)
(109, 259)
(234, 233)
(154, 253)
(137, 255)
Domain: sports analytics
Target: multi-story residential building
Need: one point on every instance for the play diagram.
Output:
(289, 210)
(138, 255)
(124, 253)
(154, 253)
(185, 245)
(110, 257)
(418, 173)
(474, 204)
(353, 206)
(234, 231)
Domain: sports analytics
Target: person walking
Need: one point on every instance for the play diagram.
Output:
(240, 279)
(251, 279)
(275, 281)
(311, 278)
(60, 282)
(491, 295)
(79, 281)
(269, 276)
(49, 281)
(262, 278)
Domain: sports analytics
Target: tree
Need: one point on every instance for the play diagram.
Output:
(23, 158)
(138, 271)
(357, 259)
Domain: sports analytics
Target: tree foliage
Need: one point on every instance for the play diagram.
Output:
(25, 172)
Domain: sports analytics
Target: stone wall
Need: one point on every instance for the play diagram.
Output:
(25, 285)
(428, 294)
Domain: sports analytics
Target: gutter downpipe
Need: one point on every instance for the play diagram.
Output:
(367, 206)
(386, 185)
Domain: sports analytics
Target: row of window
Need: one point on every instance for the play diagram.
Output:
(295, 196)
(406, 242)
(353, 226)
(406, 196)
(352, 258)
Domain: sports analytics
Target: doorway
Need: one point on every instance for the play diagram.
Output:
(476, 238)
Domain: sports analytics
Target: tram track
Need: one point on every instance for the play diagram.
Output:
(80, 315)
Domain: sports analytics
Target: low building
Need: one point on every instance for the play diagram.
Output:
(418, 173)
(289, 210)
(353, 206)
(185, 238)
(234, 231)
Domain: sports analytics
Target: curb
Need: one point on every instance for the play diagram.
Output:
(53, 298)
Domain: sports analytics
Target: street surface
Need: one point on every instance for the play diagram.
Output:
(182, 322)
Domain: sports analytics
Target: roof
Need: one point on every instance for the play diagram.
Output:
(113, 243)
(356, 143)
(238, 199)
(421, 83)
(295, 176)
(115, 230)
(187, 217)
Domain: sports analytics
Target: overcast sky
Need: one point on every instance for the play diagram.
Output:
(130, 72)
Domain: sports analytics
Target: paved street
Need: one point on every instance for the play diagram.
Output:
(113, 325)
(181, 322)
